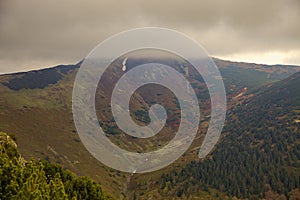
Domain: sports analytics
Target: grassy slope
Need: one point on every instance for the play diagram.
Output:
(42, 121)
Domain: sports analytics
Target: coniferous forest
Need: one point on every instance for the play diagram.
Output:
(259, 154)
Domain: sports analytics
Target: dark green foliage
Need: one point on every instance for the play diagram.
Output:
(40, 78)
(260, 148)
(39, 179)
(143, 116)
(34, 79)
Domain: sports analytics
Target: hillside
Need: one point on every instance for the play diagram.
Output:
(259, 154)
(36, 107)
(21, 179)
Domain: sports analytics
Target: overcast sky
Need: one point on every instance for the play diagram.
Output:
(36, 34)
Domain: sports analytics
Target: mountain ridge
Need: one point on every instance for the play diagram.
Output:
(215, 59)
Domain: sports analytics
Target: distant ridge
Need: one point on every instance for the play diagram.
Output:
(39, 78)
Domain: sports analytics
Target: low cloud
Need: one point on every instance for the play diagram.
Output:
(36, 34)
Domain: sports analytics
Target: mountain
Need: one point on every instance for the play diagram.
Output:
(36, 107)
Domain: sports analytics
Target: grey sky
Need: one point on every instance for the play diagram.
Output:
(36, 34)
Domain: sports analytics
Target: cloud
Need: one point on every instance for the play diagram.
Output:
(37, 33)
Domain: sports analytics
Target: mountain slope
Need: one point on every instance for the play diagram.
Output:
(40, 115)
(259, 154)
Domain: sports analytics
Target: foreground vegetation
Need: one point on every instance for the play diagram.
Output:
(21, 179)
